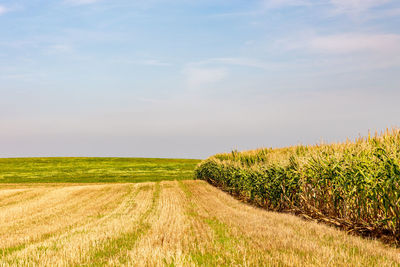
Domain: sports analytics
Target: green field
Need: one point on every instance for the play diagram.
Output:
(94, 170)
(123, 212)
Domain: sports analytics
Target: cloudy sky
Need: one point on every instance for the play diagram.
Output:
(190, 78)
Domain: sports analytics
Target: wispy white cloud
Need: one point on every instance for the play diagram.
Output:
(236, 61)
(264, 6)
(81, 2)
(343, 43)
(332, 7)
(270, 4)
(383, 14)
(154, 62)
(356, 6)
(353, 43)
(199, 76)
(343, 53)
(391, 12)
(59, 49)
(145, 62)
(3, 10)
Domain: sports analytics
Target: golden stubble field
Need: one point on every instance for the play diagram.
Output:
(185, 223)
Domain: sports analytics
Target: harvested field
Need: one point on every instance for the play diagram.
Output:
(183, 223)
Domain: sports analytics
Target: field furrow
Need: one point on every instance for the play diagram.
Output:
(171, 223)
(284, 239)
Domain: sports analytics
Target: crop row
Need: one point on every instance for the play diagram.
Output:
(355, 185)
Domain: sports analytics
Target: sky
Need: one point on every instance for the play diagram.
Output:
(191, 78)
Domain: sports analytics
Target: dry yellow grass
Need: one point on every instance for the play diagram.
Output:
(153, 224)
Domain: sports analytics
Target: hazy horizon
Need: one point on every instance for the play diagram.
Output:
(188, 79)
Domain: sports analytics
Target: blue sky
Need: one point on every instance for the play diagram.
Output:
(185, 78)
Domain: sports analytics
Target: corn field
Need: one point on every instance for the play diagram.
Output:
(354, 185)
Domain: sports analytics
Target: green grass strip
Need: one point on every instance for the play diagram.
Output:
(126, 241)
(223, 252)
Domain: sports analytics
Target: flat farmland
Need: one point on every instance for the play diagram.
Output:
(168, 223)
(94, 170)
